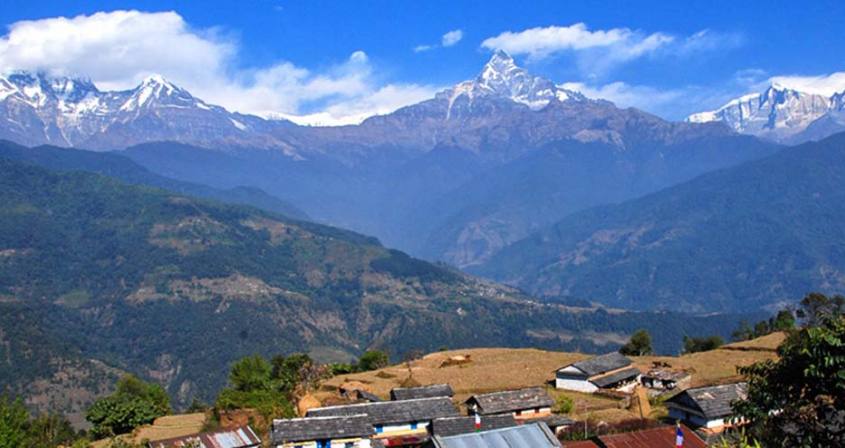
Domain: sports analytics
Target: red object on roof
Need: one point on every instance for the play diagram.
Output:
(662, 437)
(580, 444)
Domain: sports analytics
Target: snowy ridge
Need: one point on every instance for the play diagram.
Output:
(502, 78)
(779, 113)
(69, 111)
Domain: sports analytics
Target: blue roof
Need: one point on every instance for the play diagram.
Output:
(532, 435)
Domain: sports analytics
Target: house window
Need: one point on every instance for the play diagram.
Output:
(349, 445)
(379, 429)
(413, 425)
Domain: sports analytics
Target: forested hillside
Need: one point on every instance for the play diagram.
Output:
(174, 289)
(756, 235)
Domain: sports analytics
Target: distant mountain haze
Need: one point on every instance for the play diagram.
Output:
(756, 235)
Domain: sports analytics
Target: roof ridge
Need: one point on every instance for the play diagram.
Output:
(379, 403)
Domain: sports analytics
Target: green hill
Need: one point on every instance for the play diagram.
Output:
(746, 237)
(175, 289)
(121, 167)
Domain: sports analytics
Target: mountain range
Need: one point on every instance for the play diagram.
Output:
(99, 277)
(781, 114)
(757, 235)
(453, 178)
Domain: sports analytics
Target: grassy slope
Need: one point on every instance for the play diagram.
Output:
(496, 369)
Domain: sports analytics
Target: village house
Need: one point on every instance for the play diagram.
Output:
(707, 407)
(529, 435)
(663, 379)
(523, 404)
(612, 371)
(410, 393)
(660, 437)
(242, 437)
(452, 426)
(395, 423)
(353, 431)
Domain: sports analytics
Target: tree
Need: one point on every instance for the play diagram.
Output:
(51, 430)
(693, 345)
(815, 306)
(638, 345)
(13, 423)
(134, 403)
(799, 400)
(262, 386)
(783, 321)
(744, 332)
(250, 373)
(373, 360)
(564, 404)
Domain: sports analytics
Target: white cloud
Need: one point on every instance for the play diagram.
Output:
(597, 51)
(118, 49)
(447, 40)
(822, 84)
(542, 42)
(451, 38)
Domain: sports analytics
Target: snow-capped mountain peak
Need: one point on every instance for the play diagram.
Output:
(501, 77)
(70, 111)
(778, 113)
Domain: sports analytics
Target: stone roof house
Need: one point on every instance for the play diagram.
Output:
(532, 402)
(410, 393)
(708, 407)
(611, 371)
(353, 431)
(397, 422)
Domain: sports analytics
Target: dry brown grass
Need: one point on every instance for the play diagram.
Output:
(163, 428)
(493, 369)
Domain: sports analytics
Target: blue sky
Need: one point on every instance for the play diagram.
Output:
(342, 60)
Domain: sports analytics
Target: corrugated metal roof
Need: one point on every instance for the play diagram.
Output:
(243, 437)
(533, 435)
(662, 437)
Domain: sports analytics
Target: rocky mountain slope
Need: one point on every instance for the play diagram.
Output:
(781, 114)
(175, 289)
(755, 235)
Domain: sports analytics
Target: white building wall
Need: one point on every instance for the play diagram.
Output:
(576, 385)
(695, 420)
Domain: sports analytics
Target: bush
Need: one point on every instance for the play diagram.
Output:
(693, 345)
(564, 404)
(373, 360)
(638, 345)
